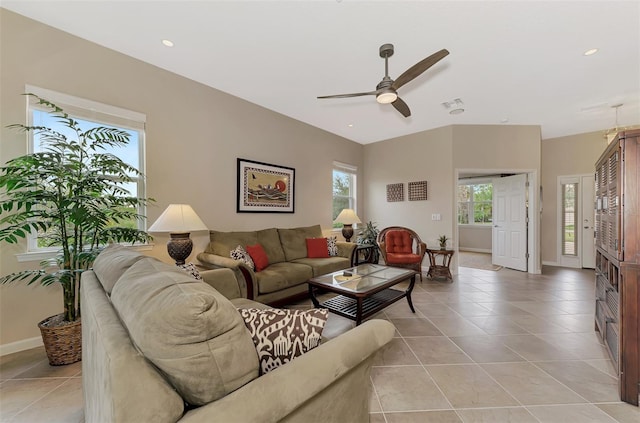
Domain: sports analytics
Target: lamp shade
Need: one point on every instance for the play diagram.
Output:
(178, 218)
(347, 217)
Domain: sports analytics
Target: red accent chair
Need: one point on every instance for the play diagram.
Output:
(402, 247)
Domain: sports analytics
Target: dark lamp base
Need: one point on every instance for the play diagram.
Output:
(347, 232)
(179, 247)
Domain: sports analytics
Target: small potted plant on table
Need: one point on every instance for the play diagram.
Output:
(443, 242)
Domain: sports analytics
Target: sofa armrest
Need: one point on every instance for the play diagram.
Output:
(246, 277)
(346, 249)
(312, 385)
(224, 281)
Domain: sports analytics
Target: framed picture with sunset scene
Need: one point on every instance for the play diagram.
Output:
(265, 188)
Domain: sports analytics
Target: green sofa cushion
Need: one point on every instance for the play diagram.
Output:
(187, 329)
(294, 241)
(322, 266)
(283, 275)
(112, 262)
(221, 243)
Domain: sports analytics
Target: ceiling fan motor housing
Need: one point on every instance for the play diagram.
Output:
(386, 50)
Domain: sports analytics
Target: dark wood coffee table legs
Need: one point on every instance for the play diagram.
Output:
(360, 306)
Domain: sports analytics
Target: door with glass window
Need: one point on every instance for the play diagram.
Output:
(576, 221)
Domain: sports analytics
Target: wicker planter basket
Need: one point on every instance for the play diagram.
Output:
(62, 340)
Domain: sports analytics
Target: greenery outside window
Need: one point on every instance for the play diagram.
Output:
(90, 115)
(475, 203)
(344, 189)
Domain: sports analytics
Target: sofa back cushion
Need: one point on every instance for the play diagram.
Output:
(294, 240)
(221, 243)
(112, 263)
(187, 329)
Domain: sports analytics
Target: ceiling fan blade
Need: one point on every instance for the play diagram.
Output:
(402, 107)
(349, 95)
(415, 70)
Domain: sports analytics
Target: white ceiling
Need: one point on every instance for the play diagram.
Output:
(512, 62)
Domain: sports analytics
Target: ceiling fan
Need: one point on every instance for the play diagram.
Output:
(386, 90)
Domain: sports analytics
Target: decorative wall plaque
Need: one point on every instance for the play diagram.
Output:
(395, 192)
(417, 190)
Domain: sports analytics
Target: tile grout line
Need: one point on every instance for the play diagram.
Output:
(38, 399)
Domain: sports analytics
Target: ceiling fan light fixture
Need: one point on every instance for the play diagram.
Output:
(386, 97)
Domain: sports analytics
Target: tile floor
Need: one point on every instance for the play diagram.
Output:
(499, 346)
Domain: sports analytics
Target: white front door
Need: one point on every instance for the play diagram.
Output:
(509, 235)
(588, 255)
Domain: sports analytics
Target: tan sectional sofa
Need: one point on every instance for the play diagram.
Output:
(160, 346)
(289, 267)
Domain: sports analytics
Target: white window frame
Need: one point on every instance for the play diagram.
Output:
(470, 217)
(92, 111)
(353, 171)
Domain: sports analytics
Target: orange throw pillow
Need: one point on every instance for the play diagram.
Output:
(258, 256)
(317, 248)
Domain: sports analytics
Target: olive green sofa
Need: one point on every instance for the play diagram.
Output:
(160, 346)
(284, 280)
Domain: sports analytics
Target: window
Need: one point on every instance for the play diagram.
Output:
(475, 203)
(89, 115)
(569, 210)
(344, 189)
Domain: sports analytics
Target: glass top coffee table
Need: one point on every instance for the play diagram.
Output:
(365, 292)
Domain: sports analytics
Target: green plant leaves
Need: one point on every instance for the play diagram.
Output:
(73, 193)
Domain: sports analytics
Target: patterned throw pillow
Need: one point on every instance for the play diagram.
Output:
(332, 246)
(191, 269)
(282, 335)
(240, 253)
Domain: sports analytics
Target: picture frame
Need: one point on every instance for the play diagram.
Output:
(265, 188)
(395, 192)
(417, 190)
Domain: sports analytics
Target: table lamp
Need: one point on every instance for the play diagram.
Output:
(178, 220)
(347, 217)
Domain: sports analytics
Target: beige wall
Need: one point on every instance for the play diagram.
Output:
(425, 156)
(435, 156)
(194, 136)
(474, 238)
(572, 155)
(196, 133)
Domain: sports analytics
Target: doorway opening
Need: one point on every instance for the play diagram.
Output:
(515, 198)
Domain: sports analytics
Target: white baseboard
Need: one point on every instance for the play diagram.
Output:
(25, 344)
(475, 250)
(551, 263)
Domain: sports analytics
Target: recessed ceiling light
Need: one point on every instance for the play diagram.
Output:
(505, 120)
(456, 111)
(590, 52)
(350, 125)
(167, 43)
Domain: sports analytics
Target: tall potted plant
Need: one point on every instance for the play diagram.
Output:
(369, 236)
(72, 194)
